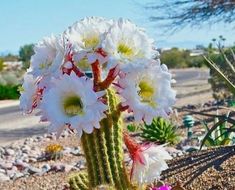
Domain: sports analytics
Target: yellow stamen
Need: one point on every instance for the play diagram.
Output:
(91, 42)
(146, 93)
(45, 65)
(83, 64)
(125, 50)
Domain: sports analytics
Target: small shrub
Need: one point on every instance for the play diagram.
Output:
(160, 130)
(9, 92)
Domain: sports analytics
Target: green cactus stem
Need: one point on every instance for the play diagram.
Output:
(103, 150)
(78, 181)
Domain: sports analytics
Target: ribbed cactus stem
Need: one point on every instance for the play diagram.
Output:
(78, 182)
(104, 149)
(91, 160)
(118, 138)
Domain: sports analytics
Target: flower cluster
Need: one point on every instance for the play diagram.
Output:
(118, 53)
(70, 73)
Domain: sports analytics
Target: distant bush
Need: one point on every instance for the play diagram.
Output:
(179, 58)
(9, 92)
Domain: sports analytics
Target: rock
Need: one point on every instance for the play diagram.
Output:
(21, 165)
(34, 153)
(80, 164)
(32, 159)
(9, 152)
(28, 141)
(39, 138)
(2, 151)
(76, 151)
(6, 165)
(25, 149)
(67, 150)
(33, 170)
(26, 159)
(2, 171)
(4, 177)
(10, 173)
(18, 175)
(58, 167)
(46, 168)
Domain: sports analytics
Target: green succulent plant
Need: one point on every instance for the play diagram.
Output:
(132, 127)
(160, 130)
(219, 134)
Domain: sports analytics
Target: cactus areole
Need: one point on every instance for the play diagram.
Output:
(84, 79)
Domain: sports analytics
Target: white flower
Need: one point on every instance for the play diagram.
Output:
(146, 89)
(149, 163)
(126, 42)
(72, 101)
(28, 92)
(86, 36)
(48, 57)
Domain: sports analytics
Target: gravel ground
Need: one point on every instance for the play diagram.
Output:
(212, 169)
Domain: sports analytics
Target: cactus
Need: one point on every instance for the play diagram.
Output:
(103, 150)
(53, 152)
(78, 181)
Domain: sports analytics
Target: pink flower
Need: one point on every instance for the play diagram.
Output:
(148, 160)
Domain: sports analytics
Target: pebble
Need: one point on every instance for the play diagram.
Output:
(16, 160)
(25, 149)
(6, 165)
(80, 164)
(32, 159)
(4, 177)
(21, 165)
(46, 168)
(2, 171)
(76, 151)
(18, 175)
(58, 167)
(33, 170)
(67, 150)
(9, 152)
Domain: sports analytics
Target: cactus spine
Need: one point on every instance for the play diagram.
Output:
(103, 150)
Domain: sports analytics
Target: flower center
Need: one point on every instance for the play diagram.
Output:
(125, 50)
(73, 106)
(45, 65)
(146, 93)
(83, 64)
(91, 42)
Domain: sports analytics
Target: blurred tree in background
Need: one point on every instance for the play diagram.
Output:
(180, 58)
(25, 54)
(180, 13)
(1, 64)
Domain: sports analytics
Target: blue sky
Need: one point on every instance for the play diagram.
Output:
(28, 21)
